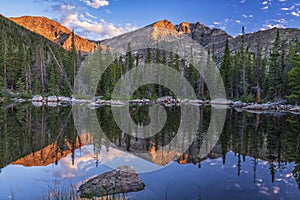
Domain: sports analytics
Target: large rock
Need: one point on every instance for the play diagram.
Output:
(37, 98)
(52, 99)
(121, 180)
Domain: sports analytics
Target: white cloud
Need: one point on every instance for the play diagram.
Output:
(90, 15)
(275, 23)
(221, 24)
(281, 21)
(107, 11)
(265, 8)
(292, 7)
(96, 3)
(270, 26)
(247, 16)
(295, 14)
(238, 21)
(243, 1)
(282, 0)
(87, 25)
(265, 2)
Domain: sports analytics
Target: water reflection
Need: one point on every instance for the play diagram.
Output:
(257, 155)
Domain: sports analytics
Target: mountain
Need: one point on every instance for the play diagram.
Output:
(214, 39)
(239, 72)
(55, 32)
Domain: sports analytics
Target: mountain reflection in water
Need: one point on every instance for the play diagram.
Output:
(257, 155)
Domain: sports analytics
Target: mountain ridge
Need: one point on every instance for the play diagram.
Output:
(214, 39)
(211, 39)
(55, 32)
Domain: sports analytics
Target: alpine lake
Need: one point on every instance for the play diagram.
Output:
(44, 156)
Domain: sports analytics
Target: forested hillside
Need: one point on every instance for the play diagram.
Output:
(264, 74)
(31, 64)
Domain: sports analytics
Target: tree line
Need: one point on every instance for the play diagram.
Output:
(252, 77)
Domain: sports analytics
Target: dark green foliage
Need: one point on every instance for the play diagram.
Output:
(294, 74)
(275, 79)
(250, 77)
(226, 71)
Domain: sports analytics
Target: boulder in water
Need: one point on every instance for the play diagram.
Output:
(121, 180)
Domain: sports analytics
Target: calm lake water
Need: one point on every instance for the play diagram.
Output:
(257, 156)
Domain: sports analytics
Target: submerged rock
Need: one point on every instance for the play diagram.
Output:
(121, 180)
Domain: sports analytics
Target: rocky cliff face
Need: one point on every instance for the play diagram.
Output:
(206, 36)
(55, 32)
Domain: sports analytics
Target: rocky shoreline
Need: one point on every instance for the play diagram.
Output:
(167, 101)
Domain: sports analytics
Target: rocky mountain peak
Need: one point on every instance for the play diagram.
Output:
(184, 27)
(164, 24)
(55, 32)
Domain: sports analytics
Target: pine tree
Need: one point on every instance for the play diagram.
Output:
(243, 57)
(226, 71)
(158, 61)
(1, 86)
(148, 58)
(275, 83)
(294, 75)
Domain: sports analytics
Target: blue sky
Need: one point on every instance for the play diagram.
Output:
(99, 19)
